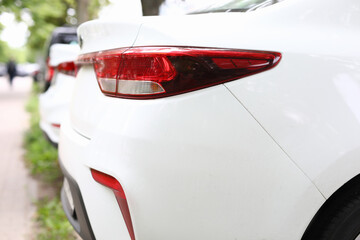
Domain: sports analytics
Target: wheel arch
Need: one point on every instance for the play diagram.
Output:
(324, 215)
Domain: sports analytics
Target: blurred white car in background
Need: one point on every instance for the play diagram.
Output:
(231, 124)
(28, 69)
(22, 69)
(60, 35)
(54, 103)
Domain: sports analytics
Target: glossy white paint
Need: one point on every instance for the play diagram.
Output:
(313, 115)
(54, 103)
(100, 202)
(60, 53)
(251, 159)
(109, 33)
(309, 103)
(215, 173)
(85, 110)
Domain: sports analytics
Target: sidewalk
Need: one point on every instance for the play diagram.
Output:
(18, 190)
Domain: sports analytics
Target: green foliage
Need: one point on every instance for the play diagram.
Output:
(95, 6)
(5, 51)
(46, 15)
(20, 54)
(53, 222)
(41, 158)
(40, 155)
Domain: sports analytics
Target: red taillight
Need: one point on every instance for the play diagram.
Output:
(153, 72)
(50, 73)
(68, 68)
(112, 183)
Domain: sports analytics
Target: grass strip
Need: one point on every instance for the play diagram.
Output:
(40, 156)
(41, 159)
(52, 220)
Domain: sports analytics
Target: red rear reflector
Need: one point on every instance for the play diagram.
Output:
(153, 72)
(55, 125)
(111, 182)
(67, 68)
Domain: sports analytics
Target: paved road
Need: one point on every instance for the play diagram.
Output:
(17, 190)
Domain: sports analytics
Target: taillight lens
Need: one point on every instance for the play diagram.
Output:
(68, 68)
(153, 72)
(113, 184)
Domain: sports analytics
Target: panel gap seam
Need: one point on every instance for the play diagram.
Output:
(291, 159)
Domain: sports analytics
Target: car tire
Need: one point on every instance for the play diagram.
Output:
(345, 223)
(342, 222)
(46, 86)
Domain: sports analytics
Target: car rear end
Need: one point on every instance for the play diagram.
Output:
(60, 35)
(159, 144)
(54, 103)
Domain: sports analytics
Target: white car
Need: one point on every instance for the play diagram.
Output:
(232, 124)
(54, 103)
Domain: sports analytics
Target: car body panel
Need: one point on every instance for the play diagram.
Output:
(314, 117)
(336, 72)
(211, 158)
(60, 53)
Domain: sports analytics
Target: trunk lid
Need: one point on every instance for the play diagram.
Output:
(246, 31)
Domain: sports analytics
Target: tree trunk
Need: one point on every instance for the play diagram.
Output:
(151, 7)
(82, 10)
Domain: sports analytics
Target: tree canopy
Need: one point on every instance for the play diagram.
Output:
(46, 15)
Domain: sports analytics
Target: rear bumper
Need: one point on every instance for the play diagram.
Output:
(77, 214)
(195, 166)
(49, 115)
(96, 202)
(50, 133)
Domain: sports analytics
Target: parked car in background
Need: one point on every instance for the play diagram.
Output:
(22, 69)
(54, 103)
(28, 69)
(242, 122)
(61, 35)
